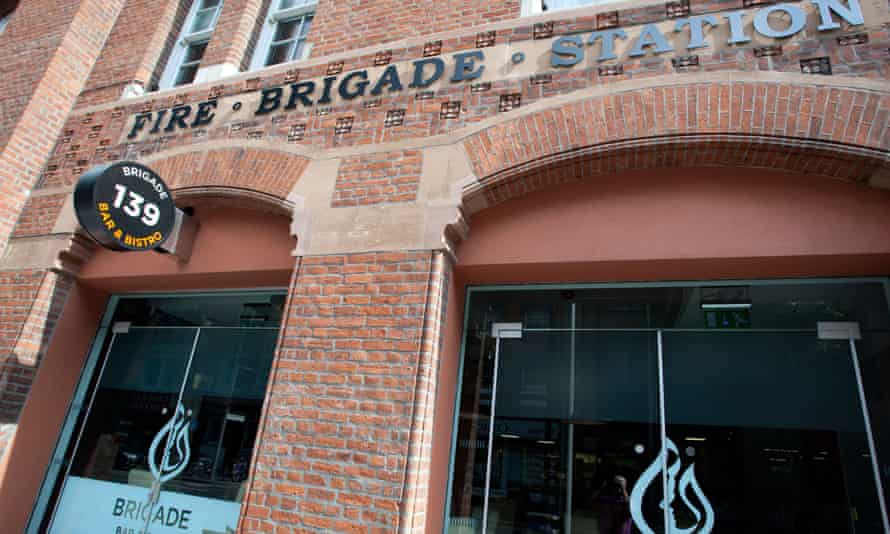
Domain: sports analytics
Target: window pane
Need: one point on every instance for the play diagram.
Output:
(186, 74)
(209, 3)
(307, 21)
(203, 20)
(224, 392)
(195, 52)
(286, 29)
(279, 53)
(769, 429)
(298, 49)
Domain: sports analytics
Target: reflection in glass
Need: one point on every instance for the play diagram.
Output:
(764, 426)
(169, 434)
(135, 398)
(774, 425)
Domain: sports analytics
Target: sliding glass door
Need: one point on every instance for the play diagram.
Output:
(669, 410)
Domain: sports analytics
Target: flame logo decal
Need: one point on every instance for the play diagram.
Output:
(704, 516)
(172, 462)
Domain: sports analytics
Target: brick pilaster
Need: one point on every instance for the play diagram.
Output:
(137, 49)
(44, 90)
(345, 445)
(233, 39)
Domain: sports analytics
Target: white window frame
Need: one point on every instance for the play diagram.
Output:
(276, 15)
(187, 38)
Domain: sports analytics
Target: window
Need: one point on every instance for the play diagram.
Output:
(3, 21)
(706, 408)
(176, 407)
(186, 56)
(284, 34)
(536, 7)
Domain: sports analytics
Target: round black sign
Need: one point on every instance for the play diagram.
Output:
(124, 206)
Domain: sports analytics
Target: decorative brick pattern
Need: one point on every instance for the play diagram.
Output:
(786, 112)
(378, 178)
(266, 171)
(40, 215)
(345, 443)
(698, 151)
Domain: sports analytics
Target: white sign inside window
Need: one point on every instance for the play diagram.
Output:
(92, 506)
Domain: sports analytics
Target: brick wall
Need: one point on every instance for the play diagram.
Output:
(39, 215)
(31, 301)
(378, 178)
(351, 391)
(351, 24)
(49, 58)
(136, 49)
(235, 32)
(267, 171)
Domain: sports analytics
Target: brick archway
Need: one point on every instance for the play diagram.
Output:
(247, 177)
(818, 129)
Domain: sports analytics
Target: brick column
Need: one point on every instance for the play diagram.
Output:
(46, 66)
(235, 34)
(346, 440)
(136, 50)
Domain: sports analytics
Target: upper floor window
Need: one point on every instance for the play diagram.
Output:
(283, 37)
(536, 7)
(182, 67)
(3, 20)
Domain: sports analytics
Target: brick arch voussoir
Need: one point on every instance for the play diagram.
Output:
(828, 131)
(255, 177)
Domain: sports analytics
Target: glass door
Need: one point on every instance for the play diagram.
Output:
(761, 432)
(168, 432)
(766, 433)
(135, 437)
(712, 418)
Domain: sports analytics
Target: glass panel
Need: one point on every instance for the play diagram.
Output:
(224, 395)
(529, 461)
(209, 3)
(203, 20)
(134, 400)
(195, 52)
(767, 434)
(167, 442)
(304, 29)
(279, 53)
(471, 448)
(616, 432)
(874, 363)
(286, 29)
(249, 309)
(186, 74)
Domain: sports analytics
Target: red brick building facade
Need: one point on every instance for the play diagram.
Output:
(439, 146)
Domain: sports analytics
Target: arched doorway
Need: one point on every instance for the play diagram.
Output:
(630, 335)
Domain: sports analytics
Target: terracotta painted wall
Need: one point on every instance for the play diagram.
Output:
(683, 224)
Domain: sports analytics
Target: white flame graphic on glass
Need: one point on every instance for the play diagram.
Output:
(704, 518)
(177, 428)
